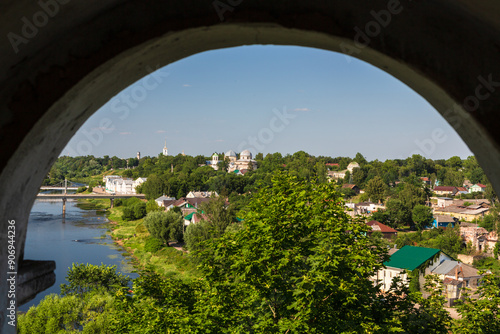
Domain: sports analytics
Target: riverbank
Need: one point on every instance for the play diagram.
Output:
(132, 236)
(79, 238)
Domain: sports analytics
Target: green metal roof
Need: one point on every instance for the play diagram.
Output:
(411, 257)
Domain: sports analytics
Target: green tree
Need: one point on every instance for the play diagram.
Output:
(69, 314)
(165, 226)
(482, 314)
(292, 267)
(139, 210)
(422, 216)
(383, 217)
(196, 234)
(151, 205)
(375, 189)
(400, 214)
(219, 214)
(83, 278)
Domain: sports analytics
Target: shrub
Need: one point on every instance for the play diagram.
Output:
(153, 245)
(139, 210)
(84, 278)
(165, 226)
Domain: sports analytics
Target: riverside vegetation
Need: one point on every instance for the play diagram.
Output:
(296, 263)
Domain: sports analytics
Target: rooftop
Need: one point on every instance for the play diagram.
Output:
(411, 257)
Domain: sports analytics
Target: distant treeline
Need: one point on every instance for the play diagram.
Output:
(177, 175)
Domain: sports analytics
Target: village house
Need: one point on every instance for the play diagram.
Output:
(443, 202)
(202, 194)
(161, 200)
(387, 232)
(477, 188)
(456, 277)
(464, 213)
(353, 187)
(408, 259)
(445, 191)
(335, 175)
(363, 208)
(444, 221)
(467, 184)
(425, 181)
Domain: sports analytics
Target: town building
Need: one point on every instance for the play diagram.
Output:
(387, 232)
(165, 150)
(244, 162)
(119, 185)
(162, 199)
(477, 188)
(444, 221)
(445, 191)
(479, 238)
(335, 175)
(462, 212)
(456, 277)
(353, 187)
(443, 202)
(419, 260)
(202, 194)
(425, 181)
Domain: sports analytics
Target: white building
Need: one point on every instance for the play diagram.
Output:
(117, 184)
(244, 162)
(165, 150)
(202, 194)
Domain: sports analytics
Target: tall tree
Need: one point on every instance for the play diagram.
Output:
(375, 189)
(164, 226)
(291, 268)
(422, 216)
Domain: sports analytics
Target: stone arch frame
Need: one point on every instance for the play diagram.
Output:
(86, 52)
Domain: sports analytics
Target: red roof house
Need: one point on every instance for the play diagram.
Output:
(387, 232)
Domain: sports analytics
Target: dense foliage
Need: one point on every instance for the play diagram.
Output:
(165, 226)
(297, 264)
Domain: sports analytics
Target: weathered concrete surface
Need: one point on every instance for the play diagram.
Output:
(55, 76)
(34, 277)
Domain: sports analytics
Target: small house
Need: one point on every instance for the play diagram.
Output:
(411, 260)
(387, 232)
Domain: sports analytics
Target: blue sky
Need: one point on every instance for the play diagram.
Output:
(268, 99)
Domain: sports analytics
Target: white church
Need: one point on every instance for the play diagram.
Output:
(245, 162)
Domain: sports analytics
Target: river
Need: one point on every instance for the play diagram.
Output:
(80, 238)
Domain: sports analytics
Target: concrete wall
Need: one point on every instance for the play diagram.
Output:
(61, 60)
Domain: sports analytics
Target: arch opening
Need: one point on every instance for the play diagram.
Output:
(61, 112)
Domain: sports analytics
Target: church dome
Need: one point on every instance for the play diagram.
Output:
(230, 153)
(246, 154)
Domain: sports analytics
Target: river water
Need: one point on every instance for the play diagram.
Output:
(80, 238)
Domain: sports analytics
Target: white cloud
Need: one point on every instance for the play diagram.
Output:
(161, 131)
(219, 140)
(301, 109)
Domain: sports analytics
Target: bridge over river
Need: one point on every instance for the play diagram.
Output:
(65, 196)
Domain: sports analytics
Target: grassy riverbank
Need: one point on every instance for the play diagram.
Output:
(132, 236)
